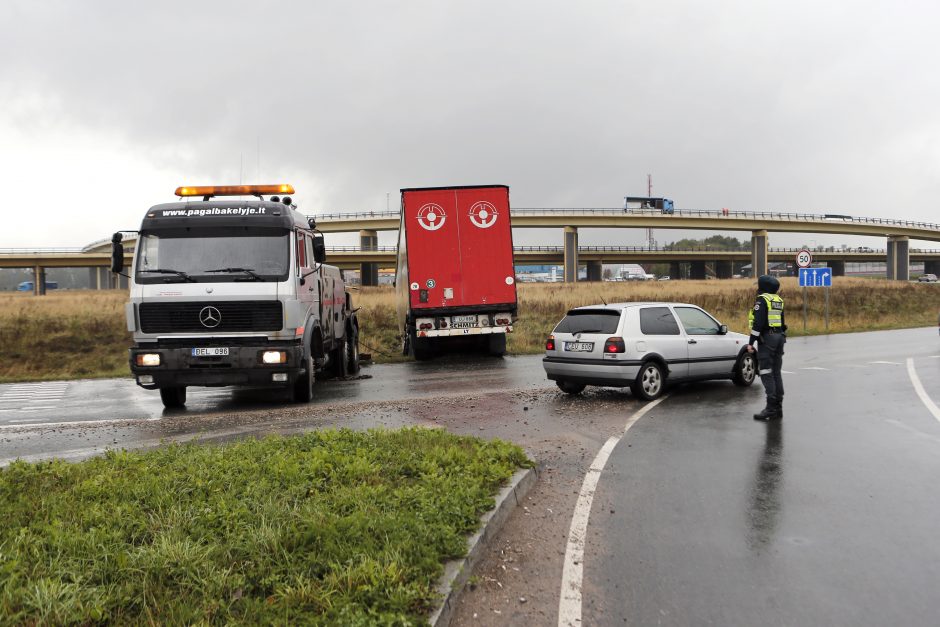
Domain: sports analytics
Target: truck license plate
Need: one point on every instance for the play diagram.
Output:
(579, 347)
(461, 319)
(214, 351)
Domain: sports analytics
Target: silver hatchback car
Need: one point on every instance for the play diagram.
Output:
(644, 346)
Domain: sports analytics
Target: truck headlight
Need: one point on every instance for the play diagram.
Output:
(274, 357)
(148, 359)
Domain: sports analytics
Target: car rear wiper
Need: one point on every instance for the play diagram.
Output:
(587, 331)
(248, 271)
(179, 273)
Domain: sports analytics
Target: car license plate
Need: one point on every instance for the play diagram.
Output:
(579, 347)
(463, 325)
(462, 319)
(214, 351)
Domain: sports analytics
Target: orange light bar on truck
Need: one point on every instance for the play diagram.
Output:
(235, 190)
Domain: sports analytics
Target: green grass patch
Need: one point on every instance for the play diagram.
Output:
(331, 527)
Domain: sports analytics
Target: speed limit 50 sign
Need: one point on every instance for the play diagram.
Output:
(804, 258)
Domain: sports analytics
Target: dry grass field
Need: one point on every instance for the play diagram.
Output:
(81, 333)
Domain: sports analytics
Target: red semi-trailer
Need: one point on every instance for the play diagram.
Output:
(455, 275)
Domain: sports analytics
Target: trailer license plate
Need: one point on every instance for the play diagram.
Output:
(214, 351)
(461, 319)
(464, 325)
(579, 347)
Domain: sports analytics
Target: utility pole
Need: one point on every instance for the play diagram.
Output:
(649, 230)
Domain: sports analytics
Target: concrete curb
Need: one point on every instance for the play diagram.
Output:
(457, 572)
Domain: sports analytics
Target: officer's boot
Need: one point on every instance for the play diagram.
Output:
(773, 411)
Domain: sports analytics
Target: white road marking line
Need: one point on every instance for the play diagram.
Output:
(787, 372)
(921, 392)
(43, 407)
(814, 368)
(22, 420)
(78, 423)
(569, 603)
(893, 363)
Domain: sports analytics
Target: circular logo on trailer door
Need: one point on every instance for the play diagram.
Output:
(210, 317)
(414, 285)
(431, 217)
(483, 214)
(431, 283)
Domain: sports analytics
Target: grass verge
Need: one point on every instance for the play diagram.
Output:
(332, 527)
(76, 334)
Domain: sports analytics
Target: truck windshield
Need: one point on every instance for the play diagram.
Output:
(223, 255)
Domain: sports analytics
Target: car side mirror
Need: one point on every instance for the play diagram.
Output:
(319, 249)
(722, 329)
(117, 253)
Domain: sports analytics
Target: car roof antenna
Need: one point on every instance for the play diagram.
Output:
(603, 301)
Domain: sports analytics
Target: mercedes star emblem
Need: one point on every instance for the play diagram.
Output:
(210, 317)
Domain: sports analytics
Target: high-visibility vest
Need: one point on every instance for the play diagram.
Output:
(774, 311)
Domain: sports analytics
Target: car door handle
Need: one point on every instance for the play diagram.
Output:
(692, 341)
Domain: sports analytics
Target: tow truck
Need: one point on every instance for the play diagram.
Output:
(235, 291)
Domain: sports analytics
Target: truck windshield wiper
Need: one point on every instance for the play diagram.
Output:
(179, 273)
(248, 271)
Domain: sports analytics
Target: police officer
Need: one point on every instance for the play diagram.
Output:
(768, 330)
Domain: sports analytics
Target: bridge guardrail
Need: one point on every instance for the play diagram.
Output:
(716, 213)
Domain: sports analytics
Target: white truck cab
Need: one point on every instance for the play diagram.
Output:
(235, 292)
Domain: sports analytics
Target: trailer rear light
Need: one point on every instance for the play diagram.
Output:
(148, 359)
(234, 190)
(614, 345)
(274, 357)
(424, 326)
(442, 323)
(550, 343)
(502, 322)
(145, 379)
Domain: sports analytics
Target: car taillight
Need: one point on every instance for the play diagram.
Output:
(614, 345)
(550, 343)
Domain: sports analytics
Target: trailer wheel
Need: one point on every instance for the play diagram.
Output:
(338, 359)
(302, 390)
(174, 397)
(419, 347)
(352, 351)
(497, 344)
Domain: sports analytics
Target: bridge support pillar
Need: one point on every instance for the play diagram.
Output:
(595, 271)
(39, 281)
(369, 271)
(697, 271)
(932, 267)
(899, 258)
(838, 267)
(758, 252)
(723, 269)
(674, 270)
(571, 254)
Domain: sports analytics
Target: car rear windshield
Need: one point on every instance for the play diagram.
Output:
(589, 321)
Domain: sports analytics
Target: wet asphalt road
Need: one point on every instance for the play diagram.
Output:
(701, 516)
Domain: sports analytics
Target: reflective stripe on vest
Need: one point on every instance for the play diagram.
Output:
(774, 311)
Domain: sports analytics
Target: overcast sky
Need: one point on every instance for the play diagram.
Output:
(821, 107)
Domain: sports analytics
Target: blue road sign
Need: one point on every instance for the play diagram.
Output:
(815, 277)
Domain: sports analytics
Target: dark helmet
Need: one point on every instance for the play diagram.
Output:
(767, 284)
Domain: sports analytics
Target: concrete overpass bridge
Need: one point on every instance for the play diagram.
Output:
(368, 256)
(760, 224)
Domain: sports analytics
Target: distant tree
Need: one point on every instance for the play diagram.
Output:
(714, 242)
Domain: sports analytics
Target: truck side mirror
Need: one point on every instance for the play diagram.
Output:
(117, 253)
(319, 248)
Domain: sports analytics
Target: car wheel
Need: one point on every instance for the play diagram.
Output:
(746, 370)
(570, 388)
(173, 398)
(649, 381)
(302, 391)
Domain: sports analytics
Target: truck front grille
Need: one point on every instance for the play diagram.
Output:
(247, 315)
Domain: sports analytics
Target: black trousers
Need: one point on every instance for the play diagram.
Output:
(769, 365)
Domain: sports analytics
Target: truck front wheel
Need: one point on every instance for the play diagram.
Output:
(174, 397)
(302, 391)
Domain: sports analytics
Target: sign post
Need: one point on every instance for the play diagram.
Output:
(816, 277)
(803, 259)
